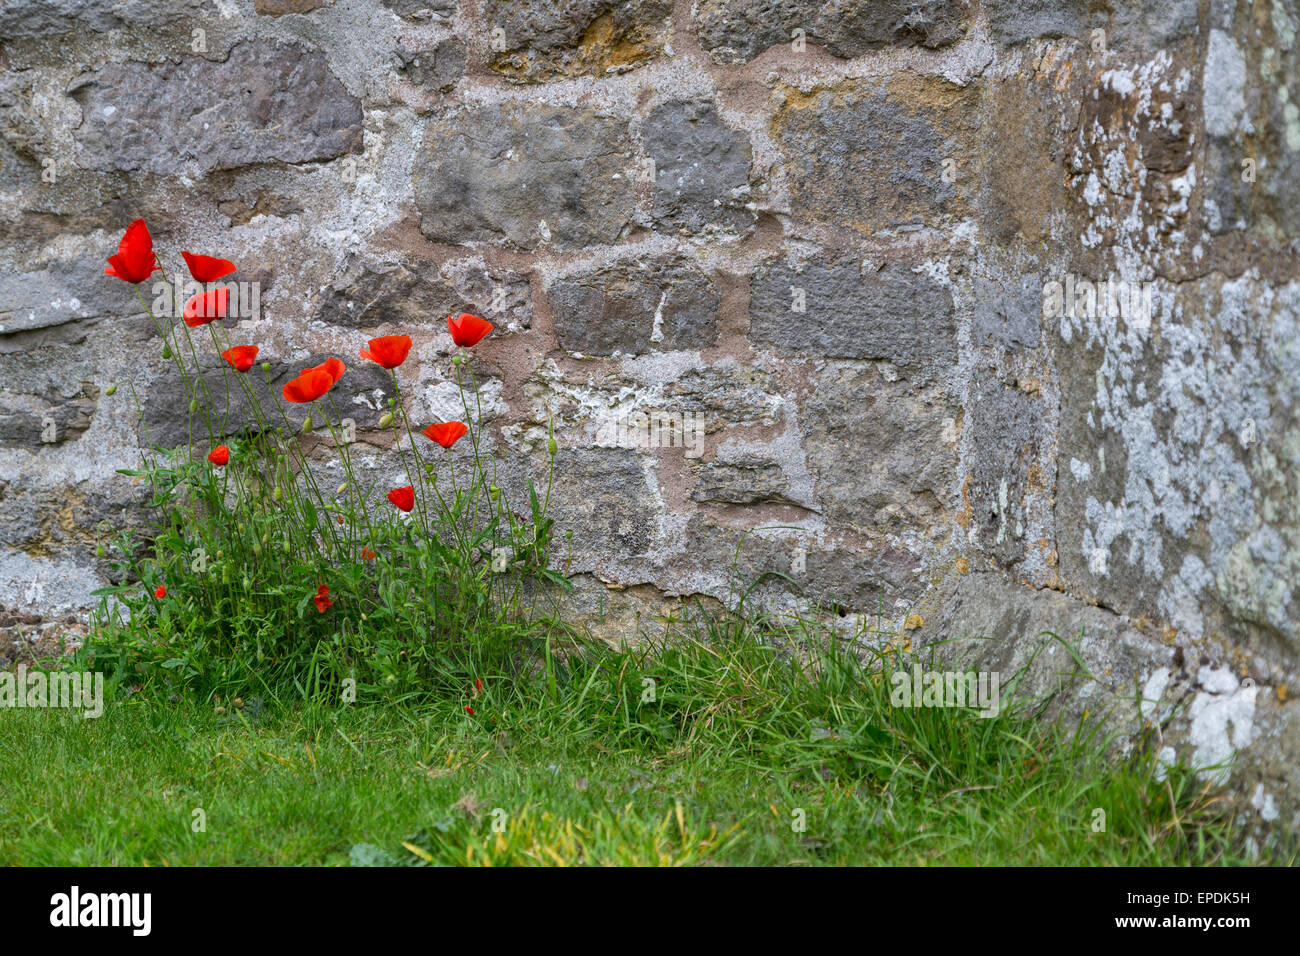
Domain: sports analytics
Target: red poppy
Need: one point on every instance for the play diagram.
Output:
(478, 683)
(207, 268)
(389, 351)
(307, 387)
(446, 434)
(331, 367)
(161, 592)
(467, 330)
(219, 456)
(469, 710)
(322, 598)
(367, 554)
(135, 260)
(205, 307)
(404, 498)
(241, 357)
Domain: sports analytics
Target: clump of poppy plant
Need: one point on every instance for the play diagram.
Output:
(250, 535)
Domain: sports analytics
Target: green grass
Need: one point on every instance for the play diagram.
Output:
(738, 744)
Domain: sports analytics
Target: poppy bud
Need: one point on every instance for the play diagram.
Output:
(342, 488)
(284, 545)
(277, 494)
(220, 555)
(266, 539)
(240, 526)
(266, 366)
(456, 360)
(392, 403)
(568, 533)
(306, 425)
(552, 447)
(494, 490)
(386, 420)
(257, 550)
(194, 405)
(279, 431)
(111, 389)
(99, 551)
(167, 351)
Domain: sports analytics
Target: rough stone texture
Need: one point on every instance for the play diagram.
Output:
(406, 293)
(543, 174)
(849, 312)
(635, 308)
(701, 168)
(265, 103)
(436, 68)
(360, 395)
(640, 196)
(873, 155)
(736, 31)
(548, 39)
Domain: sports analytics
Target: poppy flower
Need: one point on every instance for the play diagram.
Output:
(219, 456)
(467, 330)
(389, 351)
(307, 387)
(367, 554)
(469, 710)
(331, 366)
(322, 598)
(446, 434)
(161, 592)
(205, 307)
(241, 357)
(404, 498)
(207, 268)
(135, 260)
(478, 684)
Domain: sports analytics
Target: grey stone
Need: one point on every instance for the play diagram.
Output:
(412, 294)
(1129, 24)
(1008, 313)
(523, 173)
(550, 39)
(64, 292)
(892, 314)
(746, 480)
(166, 418)
(263, 104)
(36, 421)
(736, 31)
(1006, 427)
(701, 168)
(44, 18)
(882, 453)
(871, 156)
(437, 68)
(663, 304)
(422, 9)
(605, 500)
(1014, 20)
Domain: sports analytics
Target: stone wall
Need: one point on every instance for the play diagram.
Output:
(837, 242)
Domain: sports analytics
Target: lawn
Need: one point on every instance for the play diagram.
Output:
(713, 749)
